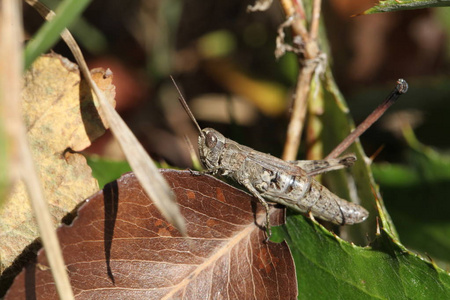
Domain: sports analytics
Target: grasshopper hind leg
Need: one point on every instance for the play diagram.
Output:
(263, 202)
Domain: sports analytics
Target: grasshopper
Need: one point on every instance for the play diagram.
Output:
(289, 183)
(268, 177)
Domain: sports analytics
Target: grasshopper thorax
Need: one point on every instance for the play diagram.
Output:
(211, 145)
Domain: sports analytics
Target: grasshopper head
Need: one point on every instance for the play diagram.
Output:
(211, 144)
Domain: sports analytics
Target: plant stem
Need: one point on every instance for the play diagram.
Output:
(400, 89)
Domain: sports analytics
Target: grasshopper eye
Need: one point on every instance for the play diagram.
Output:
(211, 140)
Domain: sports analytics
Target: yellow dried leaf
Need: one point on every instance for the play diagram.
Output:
(60, 113)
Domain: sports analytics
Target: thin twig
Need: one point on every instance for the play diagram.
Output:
(11, 41)
(309, 54)
(291, 9)
(400, 89)
(315, 20)
(298, 115)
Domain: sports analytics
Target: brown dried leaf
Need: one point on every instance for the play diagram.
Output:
(119, 247)
(60, 113)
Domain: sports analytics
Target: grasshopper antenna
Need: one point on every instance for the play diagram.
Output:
(186, 107)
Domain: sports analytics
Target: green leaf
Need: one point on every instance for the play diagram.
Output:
(106, 170)
(329, 123)
(48, 34)
(329, 268)
(396, 5)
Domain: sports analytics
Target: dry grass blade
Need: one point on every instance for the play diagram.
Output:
(11, 33)
(147, 173)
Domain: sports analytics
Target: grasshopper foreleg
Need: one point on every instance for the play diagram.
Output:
(251, 189)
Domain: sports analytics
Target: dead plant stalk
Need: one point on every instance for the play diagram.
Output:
(308, 54)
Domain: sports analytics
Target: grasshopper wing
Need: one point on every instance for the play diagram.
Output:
(276, 164)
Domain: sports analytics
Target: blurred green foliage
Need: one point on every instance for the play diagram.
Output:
(416, 195)
(66, 13)
(106, 170)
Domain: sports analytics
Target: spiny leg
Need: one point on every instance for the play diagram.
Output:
(263, 202)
